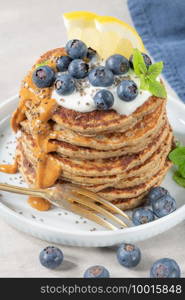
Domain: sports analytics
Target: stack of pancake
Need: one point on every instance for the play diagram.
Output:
(117, 156)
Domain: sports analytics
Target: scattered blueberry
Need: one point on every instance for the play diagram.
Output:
(63, 63)
(101, 76)
(128, 255)
(91, 53)
(76, 49)
(118, 64)
(165, 268)
(103, 99)
(51, 257)
(127, 90)
(156, 193)
(164, 206)
(64, 84)
(43, 76)
(147, 60)
(96, 272)
(78, 68)
(142, 216)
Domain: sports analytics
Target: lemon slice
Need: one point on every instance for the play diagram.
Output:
(107, 35)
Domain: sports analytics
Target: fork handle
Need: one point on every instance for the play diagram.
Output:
(20, 190)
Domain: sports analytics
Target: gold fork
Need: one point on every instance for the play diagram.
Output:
(77, 200)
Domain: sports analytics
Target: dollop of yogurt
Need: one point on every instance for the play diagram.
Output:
(82, 101)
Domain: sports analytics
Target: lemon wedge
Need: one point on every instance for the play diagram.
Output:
(107, 35)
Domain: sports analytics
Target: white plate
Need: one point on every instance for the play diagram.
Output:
(60, 226)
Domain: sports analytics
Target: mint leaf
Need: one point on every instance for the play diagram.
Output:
(177, 156)
(157, 89)
(182, 170)
(148, 75)
(178, 179)
(142, 68)
(42, 64)
(138, 63)
(154, 70)
(143, 82)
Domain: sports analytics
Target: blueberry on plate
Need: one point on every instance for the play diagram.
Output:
(103, 99)
(51, 257)
(142, 215)
(156, 193)
(63, 63)
(165, 268)
(43, 77)
(128, 255)
(127, 90)
(147, 60)
(64, 84)
(101, 76)
(96, 272)
(164, 206)
(76, 49)
(118, 64)
(78, 68)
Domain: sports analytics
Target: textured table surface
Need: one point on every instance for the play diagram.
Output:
(27, 29)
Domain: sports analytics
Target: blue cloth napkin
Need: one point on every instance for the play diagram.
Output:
(161, 25)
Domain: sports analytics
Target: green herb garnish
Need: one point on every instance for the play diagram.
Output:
(179, 179)
(44, 63)
(148, 75)
(177, 156)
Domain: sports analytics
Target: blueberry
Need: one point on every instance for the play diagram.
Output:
(156, 193)
(63, 63)
(78, 68)
(96, 272)
(43, 77)
(118, 64)
(128, 255)
(127, 90)
(164, 206)
(64, 84)
(165, 268)
(51, 257)
(101, 76)
(142, 216)
(103, 99)
(76, 49)
(147, 60)
(91, 53)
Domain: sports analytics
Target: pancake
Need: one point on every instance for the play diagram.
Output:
(119, 157)
(149, 164)
(102, 121)
(84, 153)
(107, 167)
(147, 126)
(131, 203)
(154, 160)
(133, 196)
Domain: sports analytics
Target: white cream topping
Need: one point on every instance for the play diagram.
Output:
(81, 100)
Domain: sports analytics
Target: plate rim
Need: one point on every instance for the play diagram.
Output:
(53, 229)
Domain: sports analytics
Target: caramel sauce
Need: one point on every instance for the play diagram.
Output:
(10, 169)
(37, 106)
(39, 203)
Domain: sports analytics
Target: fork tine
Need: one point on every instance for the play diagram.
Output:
(91, 216)
(99, 199)
(84, 200)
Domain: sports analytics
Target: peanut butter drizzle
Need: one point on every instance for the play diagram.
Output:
(37, 106)
(10, 169)
(39, 203)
